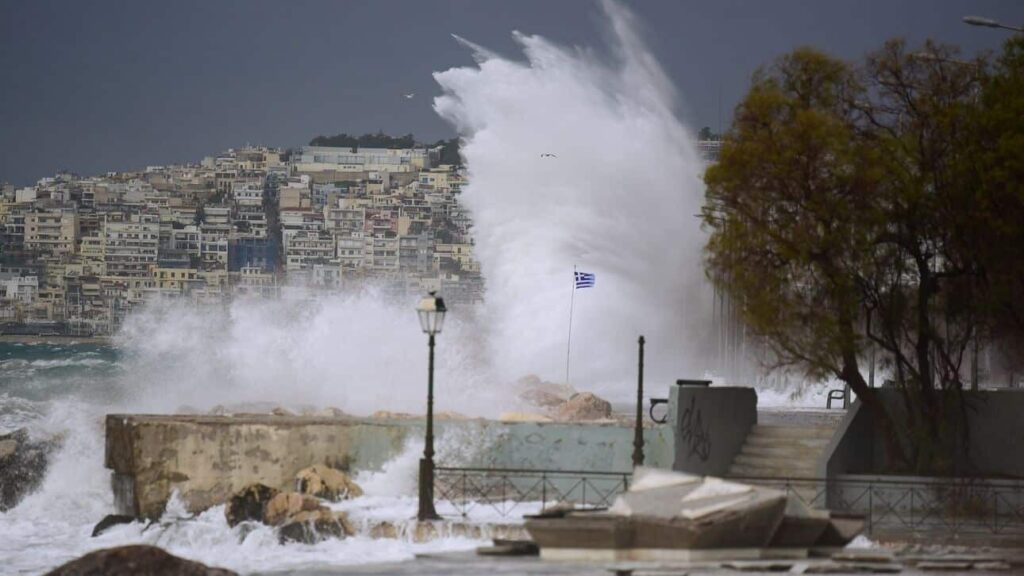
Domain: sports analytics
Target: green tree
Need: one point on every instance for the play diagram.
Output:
(993, 181)
(788, 205)
(834, 213)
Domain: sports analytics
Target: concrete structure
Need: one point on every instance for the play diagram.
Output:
(711, 425)
(207, 458)
(994, 423)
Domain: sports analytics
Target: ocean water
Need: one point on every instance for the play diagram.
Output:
(66, 389)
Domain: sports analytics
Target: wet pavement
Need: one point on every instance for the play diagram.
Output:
(468, 563)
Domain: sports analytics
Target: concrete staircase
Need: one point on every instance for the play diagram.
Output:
(782, 451)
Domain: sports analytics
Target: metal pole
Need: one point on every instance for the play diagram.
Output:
(638, 437)
(568, 342)
(426, 503)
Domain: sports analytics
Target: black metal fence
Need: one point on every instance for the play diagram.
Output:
(955, 507)
(511, 491)
(951, 508)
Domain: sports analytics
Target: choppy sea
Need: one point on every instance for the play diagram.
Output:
(66, 390)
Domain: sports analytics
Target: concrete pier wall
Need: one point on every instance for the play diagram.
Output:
(207, 458)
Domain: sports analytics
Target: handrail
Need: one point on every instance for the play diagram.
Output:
(534, 471)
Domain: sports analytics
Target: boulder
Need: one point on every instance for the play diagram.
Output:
(312, 526)
(23, 463)
(584, 406)
(135, 561)
(286, 505)
(249, 503)
(540, 394)
(326, 482)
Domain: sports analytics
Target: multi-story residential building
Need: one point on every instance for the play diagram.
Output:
(17, 288)
(53, 233)
(254, 281)
(243, 222)
(321, 158)
(307, 247)
(131, 246)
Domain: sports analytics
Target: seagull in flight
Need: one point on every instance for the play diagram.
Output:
(548, 155)
(409, 95)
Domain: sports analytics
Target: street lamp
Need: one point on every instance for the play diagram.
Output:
(431, 310)
(989, 23)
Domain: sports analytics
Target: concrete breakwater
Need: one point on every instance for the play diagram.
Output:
(208, 458)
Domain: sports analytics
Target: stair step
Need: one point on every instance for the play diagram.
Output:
(753, 461)
(782, 451)
(771, 472)
(808, 432)
(774, 461)
(784, 441)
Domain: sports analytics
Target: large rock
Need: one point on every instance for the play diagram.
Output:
(584, 406)
(298, 517)
(310, 527)
(326, 482)
(541, 394)
(23, 464)
(249, 503)
(286, 505)
(135, 561)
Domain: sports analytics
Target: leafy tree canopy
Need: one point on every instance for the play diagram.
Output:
(378, 140)
(850, 211)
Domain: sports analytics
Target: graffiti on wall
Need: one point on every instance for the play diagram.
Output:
(694, 432)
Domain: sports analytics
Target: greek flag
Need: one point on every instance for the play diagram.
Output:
(584, 280)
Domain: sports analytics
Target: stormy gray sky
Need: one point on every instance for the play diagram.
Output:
(108, 85)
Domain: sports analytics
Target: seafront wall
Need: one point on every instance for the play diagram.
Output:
(992, 450)
(208, 458)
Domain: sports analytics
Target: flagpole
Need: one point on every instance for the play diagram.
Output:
(568, 344)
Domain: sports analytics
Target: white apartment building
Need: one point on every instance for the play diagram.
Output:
(130, 247)
(305, 248)
(17, 288)
(321, 158)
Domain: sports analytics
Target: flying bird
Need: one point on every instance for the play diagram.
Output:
(547, 155)
(409, 95)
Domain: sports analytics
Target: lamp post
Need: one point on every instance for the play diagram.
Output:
(431, 311)
(638, 432)
(989, 23)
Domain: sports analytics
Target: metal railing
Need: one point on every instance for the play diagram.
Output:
(511, 491)
(952, 508)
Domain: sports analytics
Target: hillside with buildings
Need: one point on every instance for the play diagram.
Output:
(77, 254)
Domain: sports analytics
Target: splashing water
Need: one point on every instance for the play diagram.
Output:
(618, 199)
(358, 353)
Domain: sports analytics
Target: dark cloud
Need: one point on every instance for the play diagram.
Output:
(101, 85)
